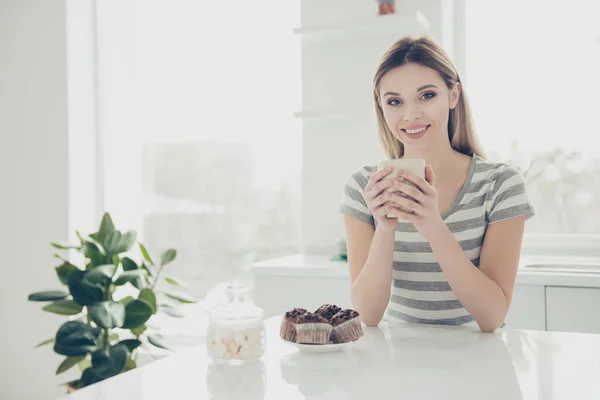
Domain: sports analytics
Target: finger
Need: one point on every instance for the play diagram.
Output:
(377, 201)
(409, 190)
(395, 212)
(421, 183)
(406, 203)
(378, 188)
(376, 176)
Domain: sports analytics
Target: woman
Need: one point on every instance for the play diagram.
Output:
(454, 259)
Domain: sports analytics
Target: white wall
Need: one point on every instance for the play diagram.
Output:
(34, 188)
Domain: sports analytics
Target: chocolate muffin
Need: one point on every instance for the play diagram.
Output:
(328, 311)
(313, 329)
(288, 324)
(346, 326)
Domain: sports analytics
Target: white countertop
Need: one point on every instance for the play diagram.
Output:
(583, 271)
(389, 362)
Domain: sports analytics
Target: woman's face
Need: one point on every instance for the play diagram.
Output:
(416, 103)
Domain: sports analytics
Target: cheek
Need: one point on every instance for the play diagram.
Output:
(439, 112)
(392, 115)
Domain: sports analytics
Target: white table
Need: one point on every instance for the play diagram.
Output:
(389, 362)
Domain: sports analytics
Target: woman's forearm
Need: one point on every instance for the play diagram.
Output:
(370, 292)
(481, 296)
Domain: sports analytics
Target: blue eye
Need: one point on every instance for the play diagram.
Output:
(394, 102)
(431, 94)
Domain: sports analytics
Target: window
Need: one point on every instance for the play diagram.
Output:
(532, 77)
(201, 150)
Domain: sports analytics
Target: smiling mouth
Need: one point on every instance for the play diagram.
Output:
(416, 132)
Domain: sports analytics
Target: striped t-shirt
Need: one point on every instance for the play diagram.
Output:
(420, 293)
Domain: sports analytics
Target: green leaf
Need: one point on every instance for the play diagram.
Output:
(110, 363)
(100, 274)
(64, 246)
(96, 255)
(174, 281)
(131, 364)
(126, 300)
(126, 242)
(108, 314)
(156, 341)
(89, 377)
(75, 338)
(84, 364)
(64, 270)
(145, 253)
(136, 314)
(129, 276)
(182, 298)
(64, 307)
(111, 242)
(131, 344)
(106, 227)
(149, 297)
(83, 293)
(139, 330)
(49, 295)
(68, 363)
(45, 342)
(151, 270)
(167, 257)
(129, 264)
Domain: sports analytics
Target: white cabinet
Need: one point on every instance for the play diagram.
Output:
(573, 309)
(528, 308)
(542, 300)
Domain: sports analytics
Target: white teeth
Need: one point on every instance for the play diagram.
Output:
(414, 132)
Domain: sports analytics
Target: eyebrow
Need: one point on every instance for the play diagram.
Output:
(418, 90)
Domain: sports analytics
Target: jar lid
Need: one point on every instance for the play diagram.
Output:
(238, 308)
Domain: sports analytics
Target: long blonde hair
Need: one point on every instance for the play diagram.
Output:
(426, 52)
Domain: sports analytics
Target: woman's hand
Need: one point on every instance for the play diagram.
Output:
(376, 196)
(423, 204)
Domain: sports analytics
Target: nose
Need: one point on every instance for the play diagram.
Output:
(411, 113)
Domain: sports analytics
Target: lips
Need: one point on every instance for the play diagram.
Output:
(418, 133)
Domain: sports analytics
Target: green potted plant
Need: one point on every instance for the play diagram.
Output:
(104, 333)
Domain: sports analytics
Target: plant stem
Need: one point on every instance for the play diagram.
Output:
(106, 339)
(157, 276)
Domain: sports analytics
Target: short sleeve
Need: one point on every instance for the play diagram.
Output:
(509, 197)
(353, 202)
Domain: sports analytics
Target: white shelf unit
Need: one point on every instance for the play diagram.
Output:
(341, 47)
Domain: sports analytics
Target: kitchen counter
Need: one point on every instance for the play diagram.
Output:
(533, 270)
(389, 362)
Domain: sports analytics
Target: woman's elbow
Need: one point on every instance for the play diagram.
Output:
(371, 322)
(490, 326)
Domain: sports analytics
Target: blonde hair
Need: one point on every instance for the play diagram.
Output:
(426, 52)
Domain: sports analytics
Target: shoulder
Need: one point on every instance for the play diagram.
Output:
(496, 172)
(360, 176)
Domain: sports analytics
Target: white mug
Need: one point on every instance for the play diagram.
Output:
(414, 165)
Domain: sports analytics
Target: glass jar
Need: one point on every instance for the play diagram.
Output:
(236, 331)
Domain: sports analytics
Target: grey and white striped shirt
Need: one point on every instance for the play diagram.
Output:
(420, 293)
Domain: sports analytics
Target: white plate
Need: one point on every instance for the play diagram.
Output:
(319, 348)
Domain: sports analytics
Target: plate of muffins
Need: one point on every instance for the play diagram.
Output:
(328, 328)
